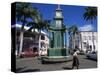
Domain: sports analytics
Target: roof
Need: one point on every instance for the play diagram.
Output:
(25, 27)
(87, 31)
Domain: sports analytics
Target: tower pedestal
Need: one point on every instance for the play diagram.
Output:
(56, 52)
(56, 55)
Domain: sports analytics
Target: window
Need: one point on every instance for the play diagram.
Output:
(34, 36)
(84, 37)
(93, 37)
(35, 49)
(43, 46)
(89, 37)
(94, 47)
(90, 47)
(84, 44)
(42, 37)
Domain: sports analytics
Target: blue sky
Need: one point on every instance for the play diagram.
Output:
(72, 15)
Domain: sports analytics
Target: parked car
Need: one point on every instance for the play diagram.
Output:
(28, 53)
(92, 55)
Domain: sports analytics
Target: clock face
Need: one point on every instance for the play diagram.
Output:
(58, 14)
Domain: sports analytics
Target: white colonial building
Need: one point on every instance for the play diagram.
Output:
(86, 41)
(32, 40)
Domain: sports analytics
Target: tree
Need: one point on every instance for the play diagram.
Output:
(40, 24)
(72, 31)
(23, 12)
(90, 15)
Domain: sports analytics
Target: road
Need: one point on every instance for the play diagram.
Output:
(34, 64)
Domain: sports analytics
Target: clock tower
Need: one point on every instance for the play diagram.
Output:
(58, 30)
(57, 50)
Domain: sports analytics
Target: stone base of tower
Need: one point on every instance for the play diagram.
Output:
(56, 55)
(57, 52)
(55, 59)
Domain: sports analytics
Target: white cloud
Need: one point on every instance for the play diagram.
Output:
(86, 28)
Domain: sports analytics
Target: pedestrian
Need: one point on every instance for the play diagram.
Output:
(75, 59)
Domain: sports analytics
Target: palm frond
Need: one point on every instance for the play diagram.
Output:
(90, 13)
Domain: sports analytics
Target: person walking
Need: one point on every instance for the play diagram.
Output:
(75, 59)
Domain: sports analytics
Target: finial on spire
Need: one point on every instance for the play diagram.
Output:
(58, 6)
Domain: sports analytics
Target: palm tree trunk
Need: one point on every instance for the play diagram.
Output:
(81, 41)
(21, 37)
(39, 42)
(93, 40)
(21, 40)
(92, 36)
(74, 42)
(66, 46)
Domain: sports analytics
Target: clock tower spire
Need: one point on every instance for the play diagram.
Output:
(58, 6)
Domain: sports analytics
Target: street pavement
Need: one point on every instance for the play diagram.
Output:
(34, 64)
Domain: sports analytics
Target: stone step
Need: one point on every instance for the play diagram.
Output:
(56, 59)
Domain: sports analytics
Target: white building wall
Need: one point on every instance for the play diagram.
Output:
(87, 40)
(43, 45)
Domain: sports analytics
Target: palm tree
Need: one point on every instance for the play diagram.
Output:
(90, 15)
(39, 24)
(23, 12)
(72, 31)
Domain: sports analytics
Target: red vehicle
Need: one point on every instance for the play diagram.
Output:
(29, 53)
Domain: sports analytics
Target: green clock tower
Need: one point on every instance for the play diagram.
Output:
(58, 47)
(57, 50)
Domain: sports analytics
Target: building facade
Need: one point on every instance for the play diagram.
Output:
(86, 41)
(35, 41)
